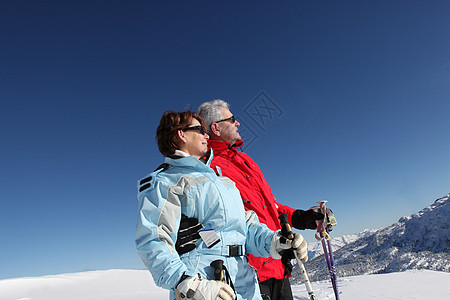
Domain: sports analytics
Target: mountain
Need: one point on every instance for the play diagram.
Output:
(315, 249)
(419, 241)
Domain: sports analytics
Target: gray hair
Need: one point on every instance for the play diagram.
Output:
(211, 111)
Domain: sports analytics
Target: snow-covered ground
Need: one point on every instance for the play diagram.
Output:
(138, 284)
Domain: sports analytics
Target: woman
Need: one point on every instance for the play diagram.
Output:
(185, 185)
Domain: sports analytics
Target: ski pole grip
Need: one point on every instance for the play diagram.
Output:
(218, 270)
(286, 229)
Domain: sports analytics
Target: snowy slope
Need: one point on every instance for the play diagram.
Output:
(419, 241)
(139, 285)
(98, 285)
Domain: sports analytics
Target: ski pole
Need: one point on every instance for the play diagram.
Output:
(287, 229)
(221, 273)
(324, 235)
(218, 270)
(329, 255)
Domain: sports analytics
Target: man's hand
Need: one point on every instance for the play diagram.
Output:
(306, 219)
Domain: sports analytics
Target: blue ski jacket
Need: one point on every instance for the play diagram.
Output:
(190, 187)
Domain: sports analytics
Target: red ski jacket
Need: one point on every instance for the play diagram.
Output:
(256, 194)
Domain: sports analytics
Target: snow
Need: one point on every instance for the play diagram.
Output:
(99, 285)
(138, 284)
(411, 284)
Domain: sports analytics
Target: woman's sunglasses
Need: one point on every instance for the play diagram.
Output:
(200, 128)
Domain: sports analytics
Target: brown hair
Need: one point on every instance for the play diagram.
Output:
(167, 131)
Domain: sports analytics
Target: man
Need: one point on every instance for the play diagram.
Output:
(256, 194)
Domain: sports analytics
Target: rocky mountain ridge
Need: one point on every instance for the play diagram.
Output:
(419, 241)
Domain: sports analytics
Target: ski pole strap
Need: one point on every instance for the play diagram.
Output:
(322, 234)
(286, 257)
(228, 279)
(321, 231)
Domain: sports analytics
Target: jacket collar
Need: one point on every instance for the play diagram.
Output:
(222, 146)
(185, 161)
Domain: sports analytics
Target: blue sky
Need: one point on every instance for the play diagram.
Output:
(358, 96)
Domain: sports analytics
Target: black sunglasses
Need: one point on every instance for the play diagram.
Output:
(231, 119)
(200, 128)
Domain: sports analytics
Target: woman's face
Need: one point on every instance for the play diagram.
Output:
(196, 143)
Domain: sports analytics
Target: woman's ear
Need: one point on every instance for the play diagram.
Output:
(182, 136)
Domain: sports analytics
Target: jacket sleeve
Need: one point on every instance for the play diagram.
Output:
(156, 228)
(259, 236)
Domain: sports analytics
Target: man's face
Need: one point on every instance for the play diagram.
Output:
(228, 130)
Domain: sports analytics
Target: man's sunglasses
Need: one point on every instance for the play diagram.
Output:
(200, 128)
(231, 119)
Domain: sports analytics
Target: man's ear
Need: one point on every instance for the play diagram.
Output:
(215, 129)
(182, 136)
